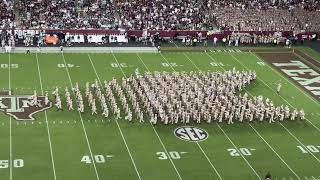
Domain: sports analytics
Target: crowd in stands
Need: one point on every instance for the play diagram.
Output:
(273, 15)
(6, 14)
(267, 15)
(66, 14)
(163, 14)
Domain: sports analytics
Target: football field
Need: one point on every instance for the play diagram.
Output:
(65, 145)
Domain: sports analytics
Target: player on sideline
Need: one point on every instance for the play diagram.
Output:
(279, 88)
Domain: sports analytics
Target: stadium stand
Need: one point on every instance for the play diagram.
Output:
(117, 21)
(251, 15)
(6, 14)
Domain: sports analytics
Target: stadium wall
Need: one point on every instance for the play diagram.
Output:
(178, 33)
(83, 50)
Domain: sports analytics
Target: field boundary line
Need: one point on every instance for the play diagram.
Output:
(257, 132)
(305, 52)
(275, 151)
(285, 101)
(10, 119)
(219, 125)
(83, 127)
(268, 52)
(121, 133)
(212, 59)
(279, 74)
(305, 60)
(47, 123)
(285, 78)
(150, 122)
(199, 146)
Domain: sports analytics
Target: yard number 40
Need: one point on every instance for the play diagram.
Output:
(97, 158)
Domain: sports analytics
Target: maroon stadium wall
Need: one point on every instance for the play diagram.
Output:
(178, 33)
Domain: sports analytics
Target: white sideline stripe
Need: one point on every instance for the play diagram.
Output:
(302, 58)
(259, 133)
(10, 128)
(287, 103)
(203, 152)
(316, 127)
(224, 131)
(286, 79)
(119, 128)
(48, 129)
(84, 129)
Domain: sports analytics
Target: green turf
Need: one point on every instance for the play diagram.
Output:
(134, 145)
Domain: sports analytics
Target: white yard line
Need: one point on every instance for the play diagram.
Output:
(239, 151)
(119, 128)
(203, 152)
(316, 102)
(48, 129)
(258, 132)
(315, 66)
(84, 129)
(208, 159)
(10, 128)
(250, 125)
(307, 61)
(287, 103)
(155, 131)
(275, 152)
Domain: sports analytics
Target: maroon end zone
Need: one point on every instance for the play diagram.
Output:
(301, 69)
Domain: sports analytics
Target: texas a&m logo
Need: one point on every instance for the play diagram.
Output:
(21, 107)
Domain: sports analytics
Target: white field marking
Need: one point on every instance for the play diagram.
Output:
(226, 134)
(275, 152)
(155, 131)
(316, 102)
(175, 44)
(142, 62)
(239, 153)
(258, 132)
(119, 128)
(270, 52)
(299, 142)
(45, 114)
(203, 152)
(308, 55)
(167, 61)
(84, 129)
(283, 99)
(306, 60)
(10, 123)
